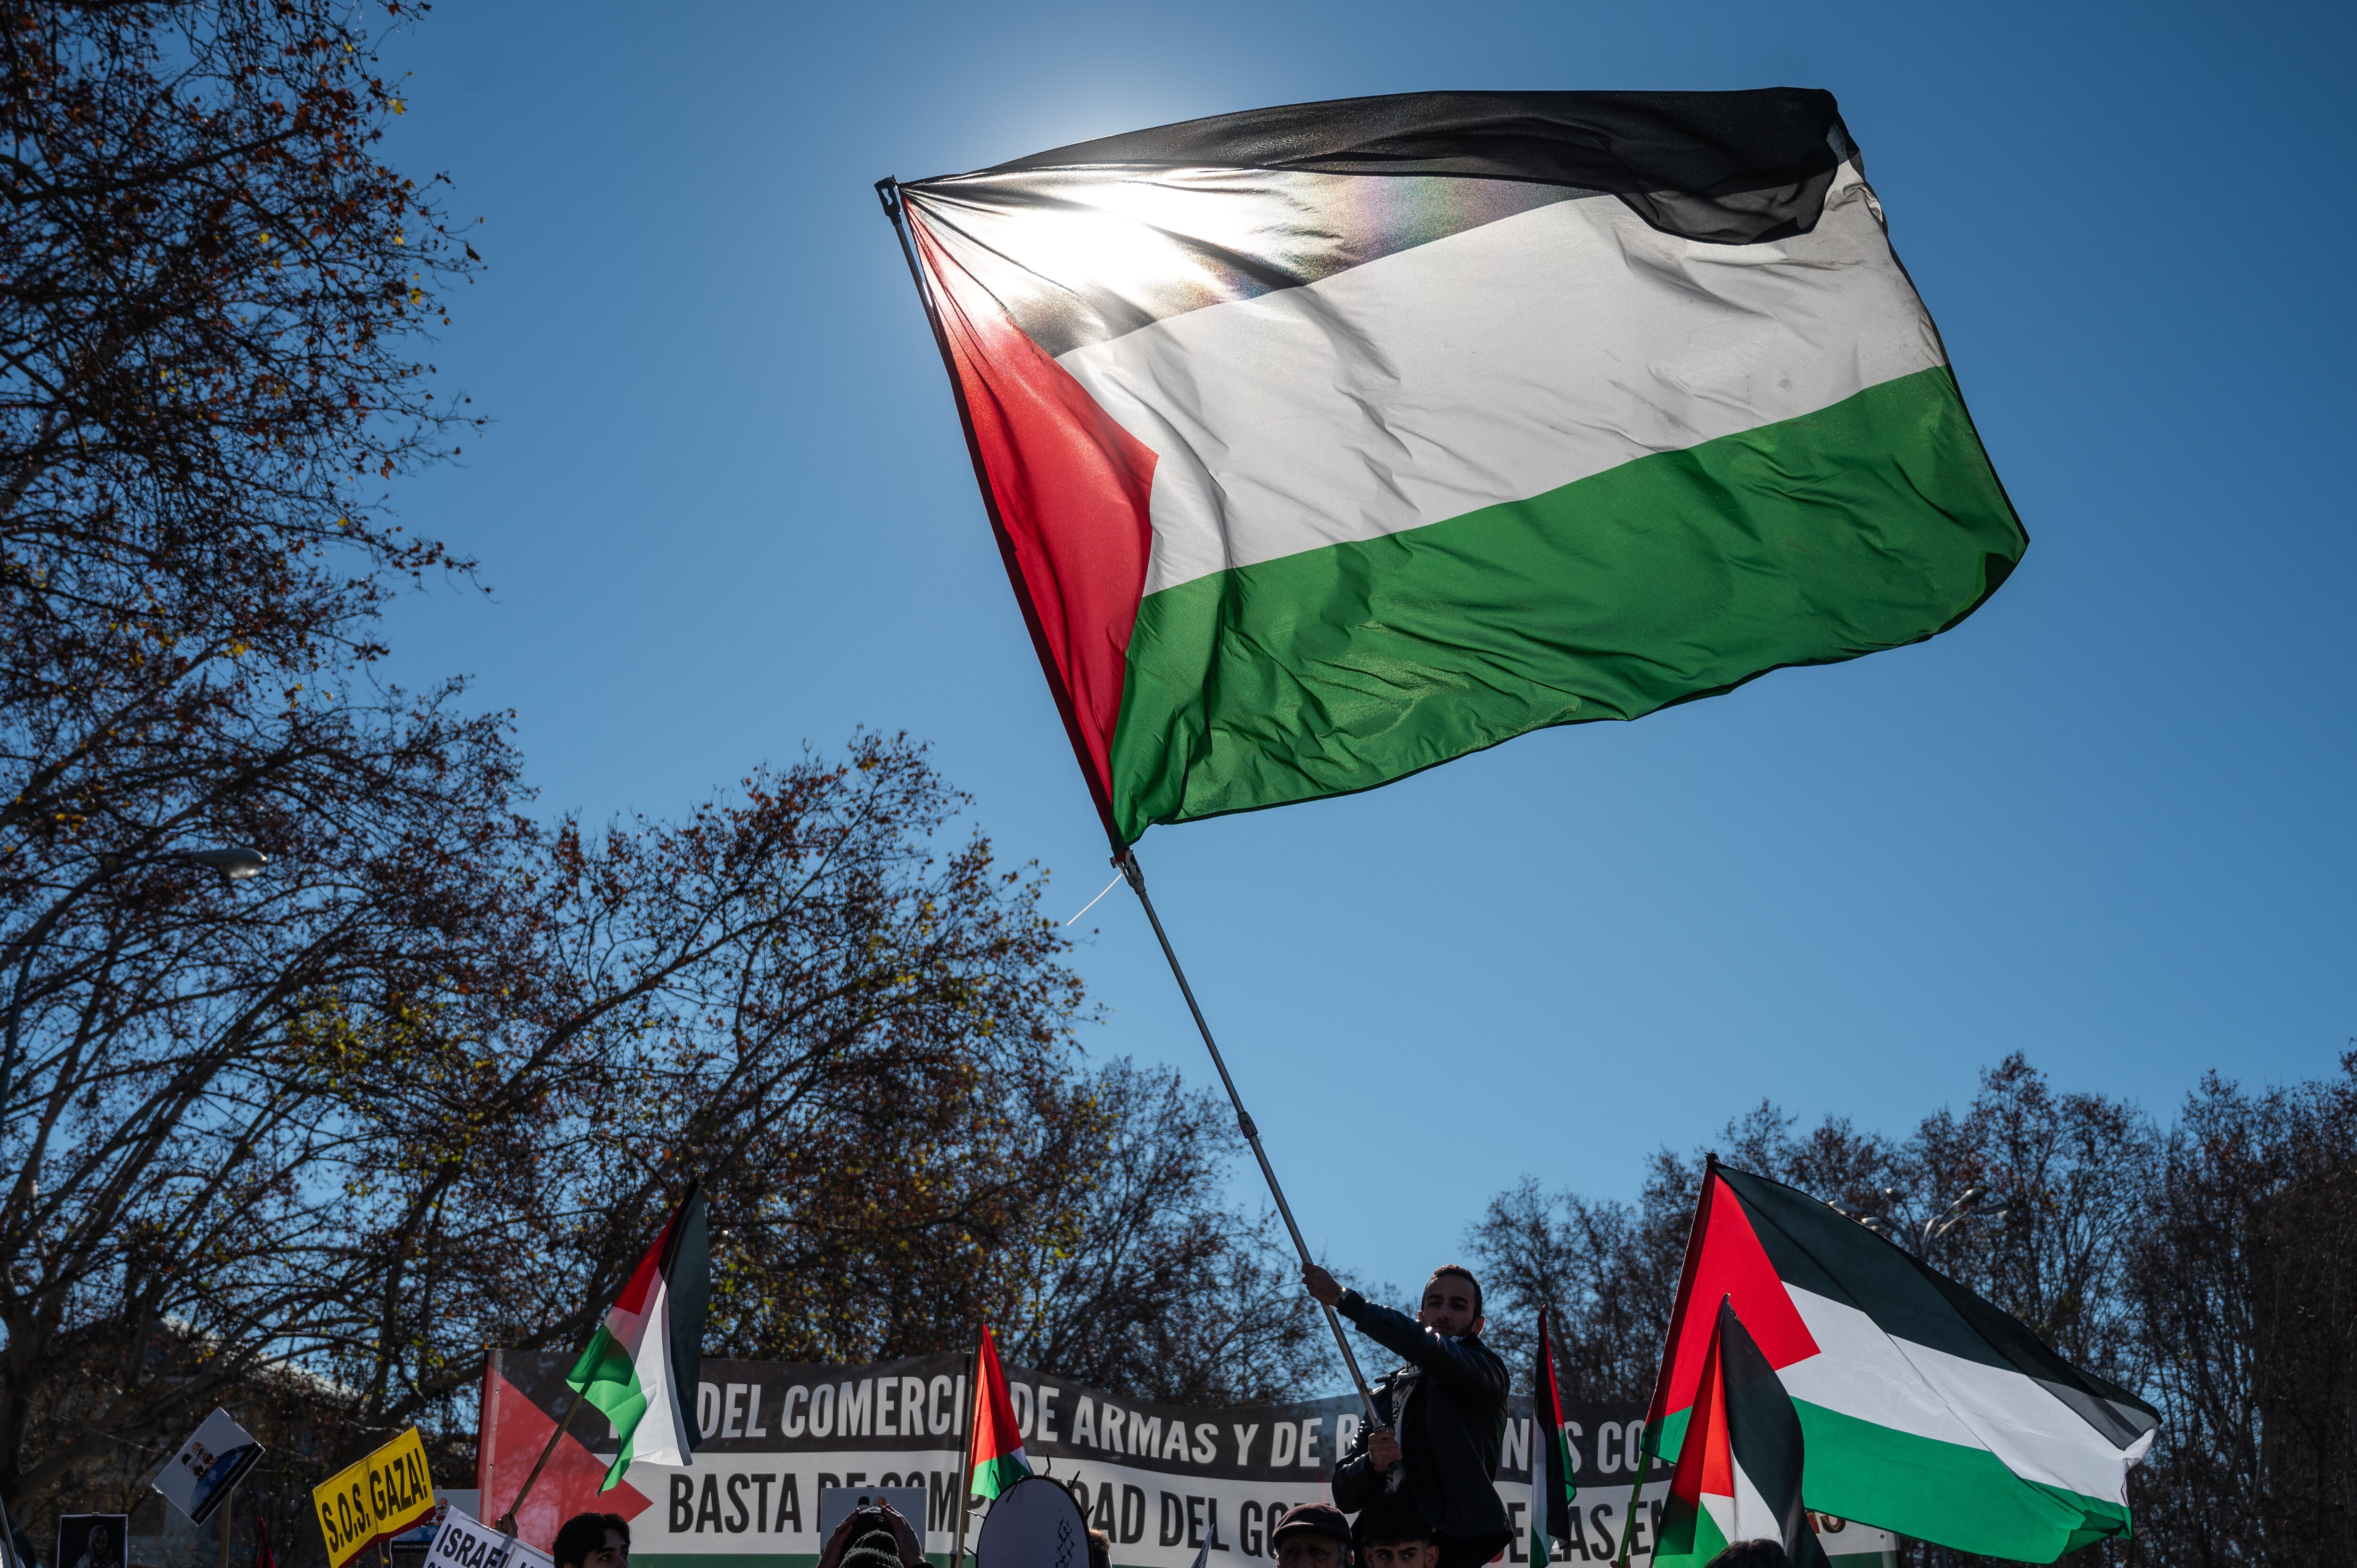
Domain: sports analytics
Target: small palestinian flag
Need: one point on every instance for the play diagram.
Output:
(1324, 444)
(1739, 1475)
(1552, 1486)
(998, 1461)
(641, 1369)
(1927, 1410)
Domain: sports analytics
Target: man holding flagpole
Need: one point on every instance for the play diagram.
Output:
(1441, 1416)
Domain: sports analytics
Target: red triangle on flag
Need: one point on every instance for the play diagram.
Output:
(1725, 1262)
(515, 1429)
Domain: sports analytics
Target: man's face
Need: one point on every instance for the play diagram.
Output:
(1450, 1306)
(613, 1554)
(1304, 1550)
(1402, 1554)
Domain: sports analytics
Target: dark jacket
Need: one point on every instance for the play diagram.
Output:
(1456, 1425)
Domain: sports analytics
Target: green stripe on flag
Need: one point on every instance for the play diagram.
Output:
(1942, 1492)
(1872, 523)
(605, 1377)
(992, 1476)
(1962, 1498)
(1689, 1538)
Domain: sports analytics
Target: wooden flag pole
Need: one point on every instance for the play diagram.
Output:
(507, 1524)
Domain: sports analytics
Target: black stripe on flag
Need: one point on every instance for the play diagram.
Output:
(1763, 1434)
(1820, 1249)
(1237, 206)
(686, 1268)
(1728, 167)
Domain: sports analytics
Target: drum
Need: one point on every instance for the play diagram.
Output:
(1033, 1524)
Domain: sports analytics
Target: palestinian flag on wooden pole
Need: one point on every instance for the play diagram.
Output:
(1739, 1475)
(1551, 1486)
(641, 1367)
(1327, 442)
(1925, 1409)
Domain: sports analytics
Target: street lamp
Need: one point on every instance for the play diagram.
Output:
(1965, 1208)
(236, 863)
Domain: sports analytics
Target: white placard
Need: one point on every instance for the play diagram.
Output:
(209, 1465)
(466, 1542)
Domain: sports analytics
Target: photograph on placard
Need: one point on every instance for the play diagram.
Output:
(92, 1540)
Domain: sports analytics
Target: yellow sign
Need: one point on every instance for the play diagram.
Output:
(383, 1494)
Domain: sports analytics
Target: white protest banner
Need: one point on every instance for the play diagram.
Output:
(466, 1542)
(1165, 1482)
(207, 1467)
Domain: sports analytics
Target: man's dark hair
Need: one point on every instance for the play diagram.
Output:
(1100, 1549)
(1462, 1273)
(1760, 1553)
(585, 1533)
(1390, 1519)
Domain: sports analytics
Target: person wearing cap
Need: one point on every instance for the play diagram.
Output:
(1441, 1416)
(1311, 1535)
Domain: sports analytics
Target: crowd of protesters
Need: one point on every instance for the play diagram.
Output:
(1417, 1488)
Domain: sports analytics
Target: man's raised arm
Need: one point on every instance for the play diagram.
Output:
(1474, 1374)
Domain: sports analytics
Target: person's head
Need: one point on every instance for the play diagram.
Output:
(1311, 1535)
(1760, 1553)
(873, 1547)
(1100, 1549)
(593, 1540)
(1392, 1533)
(1452, 1302)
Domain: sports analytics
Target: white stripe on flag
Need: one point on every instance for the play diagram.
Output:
(1753, 1519)
(658, 1440)
(1490, 366)
(1864, 1372)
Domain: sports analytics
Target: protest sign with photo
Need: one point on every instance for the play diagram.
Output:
(200, 1476)
(1165, 1482)
(381, 1496)
(92, 1540)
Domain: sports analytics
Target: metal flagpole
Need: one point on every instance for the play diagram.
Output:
(9, 1556)
(888, 191)
(1127, 862)
(965, 1481)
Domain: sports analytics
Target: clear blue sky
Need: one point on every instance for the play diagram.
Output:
(726, 508)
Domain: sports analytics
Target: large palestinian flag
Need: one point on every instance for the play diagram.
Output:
(641, 1368)
(1926, 1410)
(1739, 1475)
(1327, 442)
